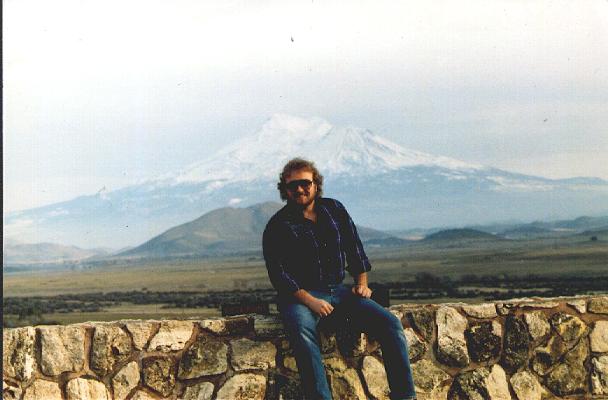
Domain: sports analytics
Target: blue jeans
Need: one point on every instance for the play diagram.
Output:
(367, 316)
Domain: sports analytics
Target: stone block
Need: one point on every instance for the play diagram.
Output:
(599, 375)
(538, 325)
(470, 385)
(172, 336)
(159, 374)
(41, 389)
(451, 344)
(570, 377)
(267, 325)
(484, 340)
(140, 331)
(598, 305)
(125, 380)
(568, 327)
(516, 344)
(336, 364)
(19, 352)
(547, 356)
(207, 356)
(375, 378)
(290, 363)
(62, 349)
(200, 391)
(526, 386)
(427, 377)
(423, 321)
(498, 388)
(247, 354)
(579, 305)
(417, 348)
(86, 389)
(487, 310)
(111, 345)
(11, 392)
(143, 395)
(599, 337)
(243, 387)
(346, 385)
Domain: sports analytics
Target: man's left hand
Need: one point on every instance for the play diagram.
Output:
(362, 291)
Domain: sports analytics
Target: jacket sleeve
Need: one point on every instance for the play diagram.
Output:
(356, 259)
(273, 248)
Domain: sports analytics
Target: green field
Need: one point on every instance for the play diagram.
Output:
(480, 268)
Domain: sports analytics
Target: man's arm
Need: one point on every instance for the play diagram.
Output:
(318, 306)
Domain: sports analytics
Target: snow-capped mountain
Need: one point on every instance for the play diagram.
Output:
(384, 185)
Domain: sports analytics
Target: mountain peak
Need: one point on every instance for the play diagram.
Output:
(335, 150)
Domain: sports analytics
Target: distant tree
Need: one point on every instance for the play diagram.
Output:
(594, 238)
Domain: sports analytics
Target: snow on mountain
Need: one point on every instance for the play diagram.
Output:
(335, 150)
(384, 185)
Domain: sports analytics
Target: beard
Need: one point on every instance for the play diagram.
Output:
(303, 200)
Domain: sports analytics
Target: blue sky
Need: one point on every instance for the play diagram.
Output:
(107, 93)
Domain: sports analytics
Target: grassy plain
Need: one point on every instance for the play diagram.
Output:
(556, 258)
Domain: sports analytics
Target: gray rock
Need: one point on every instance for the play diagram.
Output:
(598, 305)
(537, 323)
(111, 345)
(243, 387)
(451, 344)
(86, 389)
(62, 349)
(206, 356)
(487, 310)
(539, 304)
(336, 364)
(416, 347)
(526, 386)
(159, 374)
(484, 340)
(18, 352)
(267, 325)
(570, 376)
(599, 375)
(328, 342)
(172, 336)
(247, 354)
(140, 331)
(599, 337)
(516, 344)
(568, 327)
(201, 391)
(346, 385)
(125, 380)
(423, 321)
(41, 389)
(375, 378)
(427, 377)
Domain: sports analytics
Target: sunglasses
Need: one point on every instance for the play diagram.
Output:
(294, 185)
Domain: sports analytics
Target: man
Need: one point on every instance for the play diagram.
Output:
(308, 246)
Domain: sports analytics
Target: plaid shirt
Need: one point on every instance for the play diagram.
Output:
(301, 254)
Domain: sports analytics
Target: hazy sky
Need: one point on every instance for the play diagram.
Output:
(104, 93)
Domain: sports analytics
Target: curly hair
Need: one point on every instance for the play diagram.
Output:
(297, 164)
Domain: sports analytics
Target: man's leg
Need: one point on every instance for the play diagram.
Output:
(370, 317)
(301, 328)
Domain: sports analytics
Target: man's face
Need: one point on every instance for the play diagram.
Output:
(301, 189)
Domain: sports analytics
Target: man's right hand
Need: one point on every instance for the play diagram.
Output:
(320, 307)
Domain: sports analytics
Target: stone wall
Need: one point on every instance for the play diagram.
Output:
(525, 349)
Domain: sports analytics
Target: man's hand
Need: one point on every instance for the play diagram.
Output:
(362, 291)
(320, 307)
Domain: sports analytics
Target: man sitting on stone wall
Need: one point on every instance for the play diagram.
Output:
(308, 246)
